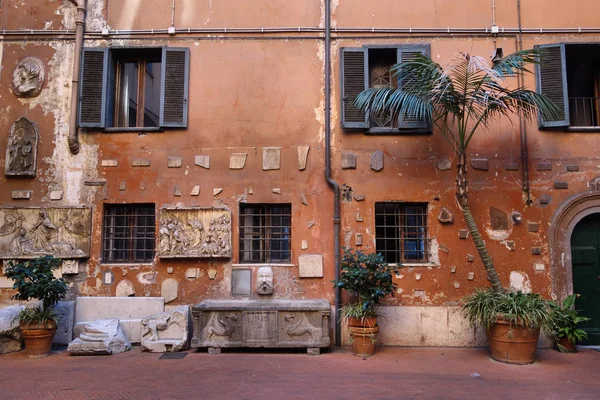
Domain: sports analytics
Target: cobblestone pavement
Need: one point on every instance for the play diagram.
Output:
(393, 373)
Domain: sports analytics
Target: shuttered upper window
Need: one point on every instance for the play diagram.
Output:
(569, 75)
(368, 67)
(134, 88)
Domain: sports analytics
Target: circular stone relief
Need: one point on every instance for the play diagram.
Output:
(28, 77)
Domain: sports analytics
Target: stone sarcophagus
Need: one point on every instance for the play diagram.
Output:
(261, 323)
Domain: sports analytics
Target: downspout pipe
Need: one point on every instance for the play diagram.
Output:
(332, 183)
(522, 121)
(73, 138)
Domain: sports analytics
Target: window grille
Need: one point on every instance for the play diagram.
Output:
(401, 232)
(129, 233)
(265, 233)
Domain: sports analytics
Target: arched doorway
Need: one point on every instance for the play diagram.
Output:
(585, 258)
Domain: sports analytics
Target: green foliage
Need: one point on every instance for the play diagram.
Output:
(368, 278)
(565, 319)
(484, 306)
(34, 280)
(36, 315)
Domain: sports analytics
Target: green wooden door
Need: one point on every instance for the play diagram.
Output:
(585, 249)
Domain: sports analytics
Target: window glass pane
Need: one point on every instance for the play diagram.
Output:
(152, 84)
(265, 233)
(127, 95)
(128, 233)
(401, 232)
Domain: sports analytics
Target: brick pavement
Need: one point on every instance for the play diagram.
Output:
(393, 373)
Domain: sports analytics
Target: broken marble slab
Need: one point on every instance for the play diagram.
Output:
(103, 336)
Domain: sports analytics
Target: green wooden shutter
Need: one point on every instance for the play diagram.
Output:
(551, 74)
(174, 90)
(92, 88)
(352, 83)
(407, 53)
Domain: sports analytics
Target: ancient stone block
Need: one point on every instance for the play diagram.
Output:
(169, 290)
(377, 160)
(348, 161)
(561, 185)
(140, 162)
(471, 276)
(10, 335)
(28, 77)
(241, 282)
(271, 158)
(359, 197)
(544, 166)
(536, 251)
(176, 191)
(202, 161)
(56, 195)
(195, 232)
(22, 194)
(217, 191)
(498, 219)
(109, 163)
(122, 186)
(572, 168)
(65, 315)
(31, 232)
(463, 233)
(195, 191)
(302, 157)
(445, 216)
(511, 166)
(533, 226)
(167, 331)
(358, 239)
(174, 162)
(237, 160)
(304, 245)
(481, 164)
(125, 289)
(104, 336)
(310, 266)
(443, 164)
(69, 267)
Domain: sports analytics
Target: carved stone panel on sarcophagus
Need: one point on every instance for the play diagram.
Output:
(300, 327)
(21, 150)
(194, 233)
(260, 328)
(221, 328)
(32, 232)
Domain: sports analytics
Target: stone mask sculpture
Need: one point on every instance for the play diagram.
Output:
(264, 281)
(28, 77)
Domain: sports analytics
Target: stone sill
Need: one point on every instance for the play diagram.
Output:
(262, 265)
(412, 265)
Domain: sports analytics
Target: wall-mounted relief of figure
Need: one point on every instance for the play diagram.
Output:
(31, 232)
(194, 233)
(28, 77)
(21, 151)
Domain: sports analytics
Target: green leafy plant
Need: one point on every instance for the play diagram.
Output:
(483, 307)
(368, 279)
(460, 98)
(34, 280)
(564, 321)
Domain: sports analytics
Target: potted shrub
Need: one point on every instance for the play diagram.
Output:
(368, 279)
(34, 280)
(565, 319)
(512, 321)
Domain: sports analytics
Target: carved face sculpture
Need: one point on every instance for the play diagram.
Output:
(264, 281)
(28, 77)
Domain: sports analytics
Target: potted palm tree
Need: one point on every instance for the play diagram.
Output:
(564, 321)
(34, 280)
(368, 279)
(459, 99)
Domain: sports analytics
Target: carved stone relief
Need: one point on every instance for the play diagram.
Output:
(264, 281)
(32, 232)
(21, 151)
(595, 184)
(194, 233)
(296, 326)
(223, 327)
(28, 77)
(167, 331)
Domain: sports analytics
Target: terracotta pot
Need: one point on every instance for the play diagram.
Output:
(363, 340)
(568, 346)
(38, 338)
(368, 322)
(512, 344)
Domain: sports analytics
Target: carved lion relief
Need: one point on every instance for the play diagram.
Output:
(21, 151)
(194, 233)
(32, 232)
(28, 77)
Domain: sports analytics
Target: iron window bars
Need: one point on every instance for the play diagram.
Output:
(401, 232)
(129, 233)
(265, 233)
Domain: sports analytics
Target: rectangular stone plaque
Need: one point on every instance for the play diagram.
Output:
(32, 232)
(241, 282)
(260, 327)
(310, 266)
(194, 233)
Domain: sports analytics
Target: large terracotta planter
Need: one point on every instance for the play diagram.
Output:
(38, 338)
(512, 344)
(568, 346)
(363, 334)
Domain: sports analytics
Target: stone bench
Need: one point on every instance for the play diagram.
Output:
(261, 323)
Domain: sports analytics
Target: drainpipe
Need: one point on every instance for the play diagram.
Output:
(73, 138)
(333, 184)
(522, 122)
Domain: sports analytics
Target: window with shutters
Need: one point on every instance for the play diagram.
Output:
(265, 233)
(128, 89)
(369, 67)
(569, 74)
(401, 232)
(128, 233)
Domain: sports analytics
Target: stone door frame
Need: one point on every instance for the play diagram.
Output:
(566, 217)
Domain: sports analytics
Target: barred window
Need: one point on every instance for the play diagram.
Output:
(265, 233)
(128, 234)
(401, 232)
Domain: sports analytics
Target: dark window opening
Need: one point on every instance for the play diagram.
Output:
(265, 233)
(583, 79)
(380, 62)
(401, 232)
(128, 233)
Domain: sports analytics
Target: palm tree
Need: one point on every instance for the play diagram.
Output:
(459, 99)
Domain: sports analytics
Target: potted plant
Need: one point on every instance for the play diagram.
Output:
(565, 319)
(512, 321)
(34, 280)
(368, 279)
